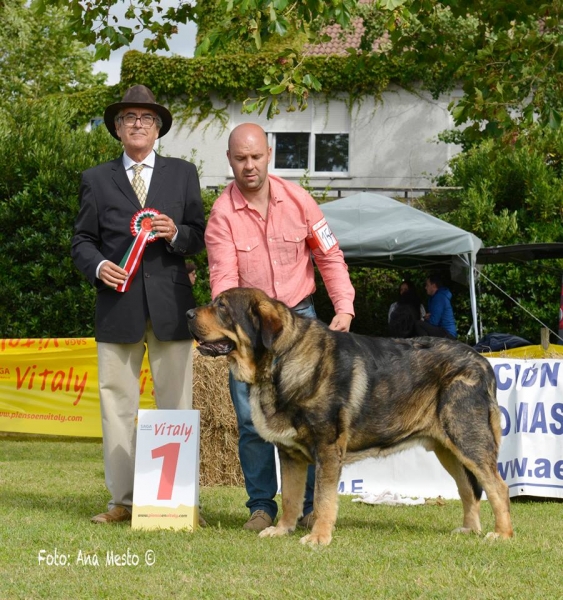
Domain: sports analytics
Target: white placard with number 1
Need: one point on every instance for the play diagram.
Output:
(166, 490)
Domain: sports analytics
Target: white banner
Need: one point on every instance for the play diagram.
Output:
(530, 396)
(166, 491)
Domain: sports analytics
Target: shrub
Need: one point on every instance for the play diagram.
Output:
(512, 194)
(41, 159)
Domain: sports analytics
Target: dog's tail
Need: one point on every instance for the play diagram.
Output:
(494, 413)
(475, 485)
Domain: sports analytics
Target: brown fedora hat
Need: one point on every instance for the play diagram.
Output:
(138, 96)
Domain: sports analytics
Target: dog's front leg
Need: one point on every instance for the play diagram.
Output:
(327, 476)
(293, 476)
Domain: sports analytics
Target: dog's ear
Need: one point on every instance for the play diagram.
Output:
(271, 323)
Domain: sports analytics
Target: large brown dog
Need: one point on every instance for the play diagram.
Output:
(331, 398)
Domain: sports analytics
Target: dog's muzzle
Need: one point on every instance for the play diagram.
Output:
(208, 348)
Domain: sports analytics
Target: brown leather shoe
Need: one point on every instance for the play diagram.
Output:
(114, 515)
(307, 521)
(258, 521)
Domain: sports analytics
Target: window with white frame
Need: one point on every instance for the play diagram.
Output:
(314, 141)
(315, 152)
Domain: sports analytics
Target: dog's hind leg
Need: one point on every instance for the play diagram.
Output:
(499, 499)
(471, 479)
(293, 476)
(474, 440)
(469, 489)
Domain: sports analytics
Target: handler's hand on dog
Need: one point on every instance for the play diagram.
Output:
(111, 274)
(164, 227)
(341, 322)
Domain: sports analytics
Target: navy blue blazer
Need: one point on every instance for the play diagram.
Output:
(160, 291)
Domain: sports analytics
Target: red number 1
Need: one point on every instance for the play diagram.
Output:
(169, 453)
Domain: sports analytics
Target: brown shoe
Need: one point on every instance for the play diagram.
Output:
(307, 521)
(114, 515)
(258, 521)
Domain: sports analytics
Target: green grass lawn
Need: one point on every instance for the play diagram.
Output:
(50, 487)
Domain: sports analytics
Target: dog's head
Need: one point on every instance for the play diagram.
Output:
(244, 321)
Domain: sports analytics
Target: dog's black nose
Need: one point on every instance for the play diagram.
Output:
(190, 314)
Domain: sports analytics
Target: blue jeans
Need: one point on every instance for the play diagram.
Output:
(257, 457)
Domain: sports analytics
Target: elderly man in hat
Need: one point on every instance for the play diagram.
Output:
(142, 289)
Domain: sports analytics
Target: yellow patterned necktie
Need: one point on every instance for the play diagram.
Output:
(139, 185)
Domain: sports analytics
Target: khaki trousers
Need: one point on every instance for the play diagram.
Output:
(119, 369)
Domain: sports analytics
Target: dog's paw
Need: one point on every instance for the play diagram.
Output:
(316, 539)
(274, 531)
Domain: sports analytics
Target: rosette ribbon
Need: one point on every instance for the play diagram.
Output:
(141, 228)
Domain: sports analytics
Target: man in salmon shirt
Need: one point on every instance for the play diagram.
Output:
(264, 232)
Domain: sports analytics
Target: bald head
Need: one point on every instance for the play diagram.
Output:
(247, 131)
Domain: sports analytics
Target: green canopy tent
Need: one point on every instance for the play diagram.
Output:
(376, 231)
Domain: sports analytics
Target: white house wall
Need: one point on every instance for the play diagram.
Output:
(393, 142)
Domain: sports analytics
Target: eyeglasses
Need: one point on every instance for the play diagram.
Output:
(131, 119)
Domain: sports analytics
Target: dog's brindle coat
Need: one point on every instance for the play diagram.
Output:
(331, 398)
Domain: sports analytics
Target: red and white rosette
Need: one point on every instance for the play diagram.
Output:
(141, 228)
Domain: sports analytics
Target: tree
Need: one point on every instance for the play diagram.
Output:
(507, 53)
(37, 57)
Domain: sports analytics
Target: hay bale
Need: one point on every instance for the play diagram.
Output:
(219, 461)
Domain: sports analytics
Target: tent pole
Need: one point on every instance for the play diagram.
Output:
(473, 298)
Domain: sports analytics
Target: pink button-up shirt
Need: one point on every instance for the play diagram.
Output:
(272, 254)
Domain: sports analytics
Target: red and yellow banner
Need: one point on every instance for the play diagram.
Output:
(50, 386)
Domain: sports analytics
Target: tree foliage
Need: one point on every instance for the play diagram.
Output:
(507, 53)
(37, 57)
